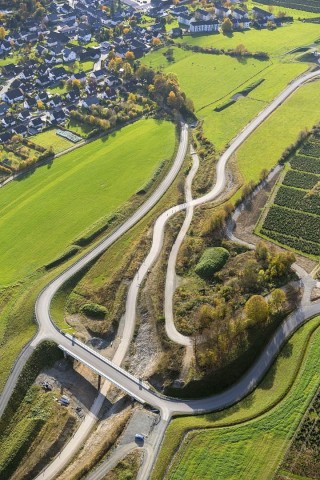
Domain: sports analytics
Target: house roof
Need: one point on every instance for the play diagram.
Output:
(13, 94)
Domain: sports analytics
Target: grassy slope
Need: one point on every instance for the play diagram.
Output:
(194, 69)
(275, 42)
(289, 11)
(79, 189)
(280, 130)
(51, 139)
(252, 447)
(220, 76)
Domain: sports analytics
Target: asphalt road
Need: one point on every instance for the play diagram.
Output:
(114, 373)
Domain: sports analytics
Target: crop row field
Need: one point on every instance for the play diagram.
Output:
(305, 164)
(303, 456)
(298, 112)
(43, 213)
(297, 200)
(294, 217)
(300, 179)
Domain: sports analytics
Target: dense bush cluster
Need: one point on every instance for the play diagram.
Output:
(211, 261)
(94, 310)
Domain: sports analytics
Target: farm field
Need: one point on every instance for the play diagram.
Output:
(100, 176)
(303, 456)
(282, 5)
(50, 138)
(253, 447)
(275, 42)
(293, 219)
(194, 69)
(301, 110)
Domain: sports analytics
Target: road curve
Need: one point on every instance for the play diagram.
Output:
(170, 285)
(117, 375)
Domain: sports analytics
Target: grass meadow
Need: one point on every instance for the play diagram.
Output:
(248, 440)
(43, 213)
(49, 138)
(211, 79)
(275, 42)
(264, 147)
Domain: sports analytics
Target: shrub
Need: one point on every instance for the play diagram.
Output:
(94, 310)
(211, 261)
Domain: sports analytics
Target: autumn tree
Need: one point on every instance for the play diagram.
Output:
(256, 309)
(277, 301)
(2, 33)
(129, 56)
(262, 254)
(250, 277)
(226, 26)
(280, 264)
(156, 42)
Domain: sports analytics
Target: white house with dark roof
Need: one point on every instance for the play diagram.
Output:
(204, 26)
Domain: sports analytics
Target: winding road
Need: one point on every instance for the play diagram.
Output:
(111, 370)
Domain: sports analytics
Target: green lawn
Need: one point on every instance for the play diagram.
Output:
(264, 147)
(230, 446)
(59, 90)
(275, 42)
(81, 129)
(42, 214)
(51, 139)
(200, 75)
(289, 11)
(14, 58)
(220, 77)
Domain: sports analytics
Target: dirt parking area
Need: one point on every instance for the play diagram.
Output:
(76, 382)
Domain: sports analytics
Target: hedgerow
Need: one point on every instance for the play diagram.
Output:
(94, 310)
(211, 261)
(307, 5)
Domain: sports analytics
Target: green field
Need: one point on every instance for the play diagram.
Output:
(274, 42)
(43, 213)
(292, 215)
(200, 75)
(289, 11)
(230, 446)
(50, 138)
(265, 146)
(211, 79)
